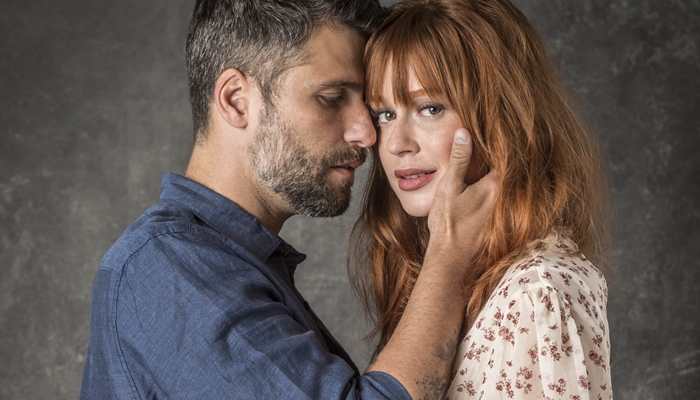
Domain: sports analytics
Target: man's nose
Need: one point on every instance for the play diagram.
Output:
(360, 129)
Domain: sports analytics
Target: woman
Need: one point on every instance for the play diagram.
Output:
(536, 323)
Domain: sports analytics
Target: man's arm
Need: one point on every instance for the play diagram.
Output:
(421, 351)
(184, 319)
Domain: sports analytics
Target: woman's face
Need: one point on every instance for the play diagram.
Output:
(414, 144)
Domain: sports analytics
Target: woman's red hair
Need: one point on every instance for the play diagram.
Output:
(493, 68)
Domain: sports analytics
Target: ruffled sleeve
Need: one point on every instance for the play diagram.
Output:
(543, 334)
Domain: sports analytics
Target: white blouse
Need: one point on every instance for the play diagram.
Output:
(542, 334)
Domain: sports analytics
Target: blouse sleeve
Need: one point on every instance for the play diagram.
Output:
(538, 341)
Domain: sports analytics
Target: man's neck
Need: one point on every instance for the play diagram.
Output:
(233, 178)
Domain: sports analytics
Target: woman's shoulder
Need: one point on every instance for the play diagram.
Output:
(554, 264)
(543, 332)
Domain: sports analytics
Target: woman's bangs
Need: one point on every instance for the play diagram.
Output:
(377, 57)
(402, 51)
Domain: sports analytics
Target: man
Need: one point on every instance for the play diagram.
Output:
(196, 300)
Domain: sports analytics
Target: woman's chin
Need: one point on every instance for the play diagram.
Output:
(416, 210)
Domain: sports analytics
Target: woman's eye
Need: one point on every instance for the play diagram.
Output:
(385, 116)
(431, 110)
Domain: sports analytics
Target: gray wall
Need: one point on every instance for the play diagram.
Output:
(94, 110)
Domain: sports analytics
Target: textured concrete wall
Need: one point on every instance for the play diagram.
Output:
(93, 110)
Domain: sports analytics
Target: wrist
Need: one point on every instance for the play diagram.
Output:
(452, 258)
(446, 273)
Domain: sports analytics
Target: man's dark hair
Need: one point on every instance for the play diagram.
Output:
(261, 38)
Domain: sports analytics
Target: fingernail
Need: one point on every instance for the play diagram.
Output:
(461, 136)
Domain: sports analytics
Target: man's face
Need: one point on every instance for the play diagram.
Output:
(315, 135)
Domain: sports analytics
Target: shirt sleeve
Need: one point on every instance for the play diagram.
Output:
(537, 342)
(196, 325)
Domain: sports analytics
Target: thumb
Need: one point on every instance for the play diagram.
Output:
(460, 156)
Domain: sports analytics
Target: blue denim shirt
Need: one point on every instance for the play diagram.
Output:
(196, 301)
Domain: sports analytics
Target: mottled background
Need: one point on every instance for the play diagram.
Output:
(93, 110)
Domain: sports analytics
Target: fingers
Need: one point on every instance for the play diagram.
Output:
(490, 180)
(460, 157)
(460, 211)
(485, 190)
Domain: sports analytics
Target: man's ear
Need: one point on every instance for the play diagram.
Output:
(233, 95)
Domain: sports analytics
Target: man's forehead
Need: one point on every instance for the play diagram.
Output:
(317, 79)
(333, 58)
(335, 44)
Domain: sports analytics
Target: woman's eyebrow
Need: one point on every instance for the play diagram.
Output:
(418, 92)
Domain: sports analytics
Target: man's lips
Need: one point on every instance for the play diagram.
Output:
(348, 169)
(351, 165)
(413, 178)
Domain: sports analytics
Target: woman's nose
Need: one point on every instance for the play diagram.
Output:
(398, 137)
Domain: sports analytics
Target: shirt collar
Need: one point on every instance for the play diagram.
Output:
(227, 218)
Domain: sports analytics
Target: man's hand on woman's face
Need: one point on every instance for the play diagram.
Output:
(460, 213)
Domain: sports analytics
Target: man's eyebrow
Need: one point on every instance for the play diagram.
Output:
(352, 85)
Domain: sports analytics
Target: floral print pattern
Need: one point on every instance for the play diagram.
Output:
(542, 334)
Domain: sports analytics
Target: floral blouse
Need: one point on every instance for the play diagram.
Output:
(543, 334)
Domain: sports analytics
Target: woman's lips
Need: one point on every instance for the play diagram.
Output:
(413, 179)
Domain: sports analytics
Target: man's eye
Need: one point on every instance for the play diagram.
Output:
(431, 110)
(331, 101)
(385, 116)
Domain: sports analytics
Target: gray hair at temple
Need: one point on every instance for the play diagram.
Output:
(262, 39)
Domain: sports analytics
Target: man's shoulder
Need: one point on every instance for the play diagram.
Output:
(167, 232)
(169, 252)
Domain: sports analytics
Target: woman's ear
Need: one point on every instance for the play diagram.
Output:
(232, 97)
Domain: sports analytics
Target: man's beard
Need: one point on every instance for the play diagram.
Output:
(285, 166)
